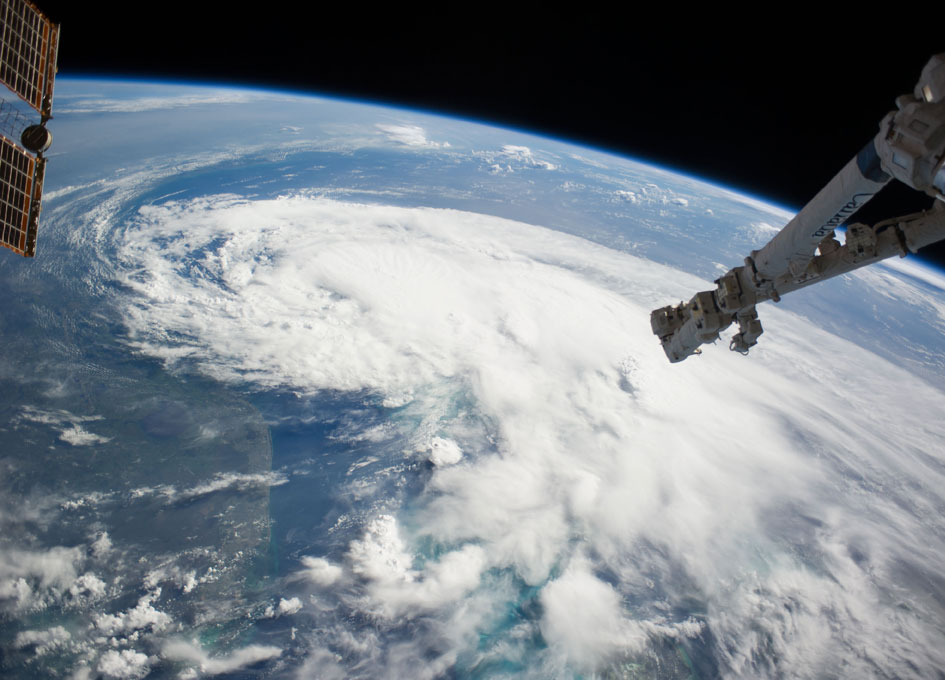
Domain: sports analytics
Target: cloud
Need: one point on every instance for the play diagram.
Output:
(583, 618)
(398, 589)
(230, 480)
(756, 502)
(143, 616)
(910, 283)
(524, 156)
(221, 481)
(194, 655)
(409, 135)
(319, 571)
(913, 268)
(74, 434)
(101, 545)
(444, 452)
(42, 640)
(126, 664)
(32, 579)
(512, 158)
(74, 105)
(77, 436)
(758, 233)
(322, 664)
(88, 586)
(285, 608)
(627, 195)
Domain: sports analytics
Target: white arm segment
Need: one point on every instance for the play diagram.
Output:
(793, 247)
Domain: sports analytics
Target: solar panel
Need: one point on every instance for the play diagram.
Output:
(28, 45)
(21, 186)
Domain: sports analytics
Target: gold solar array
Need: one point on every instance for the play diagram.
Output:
(20, 182)
(28, 46)
(29, 43)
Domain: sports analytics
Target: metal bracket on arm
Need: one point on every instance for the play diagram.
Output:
(749, 329)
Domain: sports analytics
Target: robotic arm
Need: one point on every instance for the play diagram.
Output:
(909, 147)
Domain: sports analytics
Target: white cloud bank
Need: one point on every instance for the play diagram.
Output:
(410, 135)
(786, 493)
(203, 664)
(73, 105)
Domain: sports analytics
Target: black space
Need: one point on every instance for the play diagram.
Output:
(772, 106)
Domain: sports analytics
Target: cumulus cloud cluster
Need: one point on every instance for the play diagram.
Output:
(124, 664)
(143, 616)
(643, 505)
(33, 579)
(514, 157)
(409, 135)
(648, 193)
(124, 645)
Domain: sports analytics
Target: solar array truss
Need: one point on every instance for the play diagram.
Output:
(29, 43)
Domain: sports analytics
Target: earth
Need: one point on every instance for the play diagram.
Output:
(307, 388)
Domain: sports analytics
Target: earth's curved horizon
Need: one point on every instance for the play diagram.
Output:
(306, 387)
